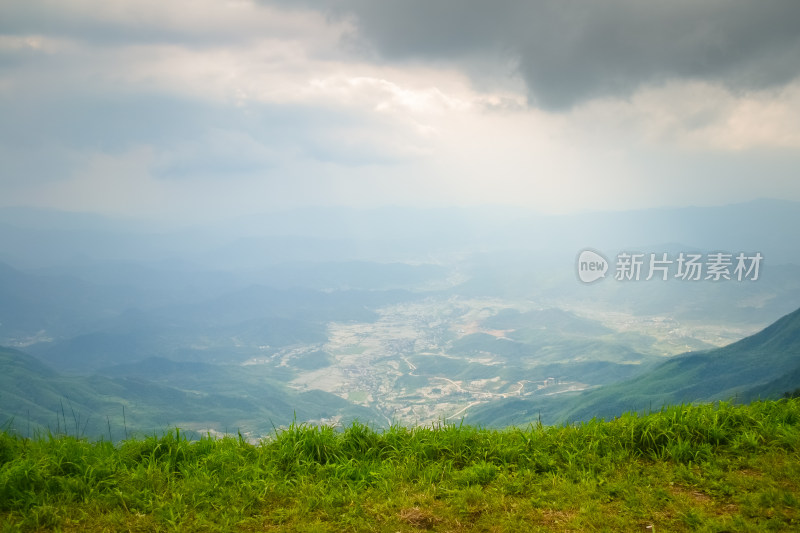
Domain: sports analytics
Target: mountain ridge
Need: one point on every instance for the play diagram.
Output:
(720, 374)
(765, 364)
(34, 397)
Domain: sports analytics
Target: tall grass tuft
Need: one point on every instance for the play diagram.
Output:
(713, 467)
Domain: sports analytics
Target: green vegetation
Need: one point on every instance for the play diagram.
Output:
(718, 467)
(761, 366)
(157, 394)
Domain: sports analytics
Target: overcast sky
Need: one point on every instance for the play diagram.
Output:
(209, 108)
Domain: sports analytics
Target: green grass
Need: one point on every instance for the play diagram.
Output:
(717, 467)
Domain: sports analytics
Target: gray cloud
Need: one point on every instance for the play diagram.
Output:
(569, 51)
(143, 110)
(566, 51)
(147, 22)
(42, 136)
(66, 21)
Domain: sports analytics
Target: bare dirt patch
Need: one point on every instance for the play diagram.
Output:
(418, 518)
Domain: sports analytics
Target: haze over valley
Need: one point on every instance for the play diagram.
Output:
(231, 215)
(410, 320)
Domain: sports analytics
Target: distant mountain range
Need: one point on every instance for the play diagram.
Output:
(34, 238)
(384, 307)
(155, 394)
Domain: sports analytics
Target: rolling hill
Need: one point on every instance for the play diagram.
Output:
(193, 396)
(763, 365)
(733, 371)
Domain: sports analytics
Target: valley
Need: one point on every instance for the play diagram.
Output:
(458, 315)
(414, 366)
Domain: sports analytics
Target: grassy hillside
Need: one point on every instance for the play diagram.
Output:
(155, 395)
(686, 468)
(764, 365)
(764, 362)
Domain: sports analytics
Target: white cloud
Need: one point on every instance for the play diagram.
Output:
(700, 116)
(210, 106)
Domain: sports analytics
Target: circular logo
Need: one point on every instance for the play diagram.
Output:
(591, 266)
